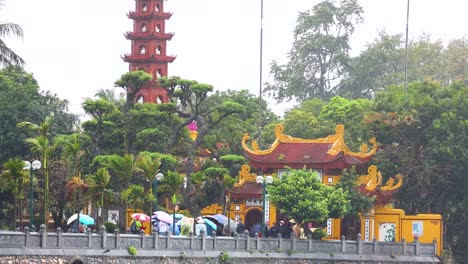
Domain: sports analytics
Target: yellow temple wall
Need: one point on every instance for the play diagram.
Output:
(427, 226)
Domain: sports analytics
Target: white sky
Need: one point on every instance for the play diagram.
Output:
(74, 47)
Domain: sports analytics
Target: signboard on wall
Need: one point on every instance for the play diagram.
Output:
(417, 228)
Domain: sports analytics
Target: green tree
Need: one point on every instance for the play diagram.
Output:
(380, 65)
(319, 54)
(8, 56)
(300, 195)
(132, 83)
(76, 187)
(423, 136)
(134, 196)
(22, 100)
(187, 102)
(359, 204)
(98, 109)
(41, 146)
(98, 183)
(13, 178)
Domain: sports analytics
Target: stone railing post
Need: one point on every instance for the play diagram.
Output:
(103, 231)
(90, 237)
(310, 245)
(155, 238)
(143, 240)
(359, 244)
(215, 239)
(59, 237)
(434, 243)
(376, 246)
(192, 240)
(43, 233)
(293, 241)
(257, 238)
(280, 241)
(247, 243)
(403, 246)
(117, 238)
(168, 240)
(27, 236)
(203, 239)
(236, 241)
(343, 244)
(418, 246)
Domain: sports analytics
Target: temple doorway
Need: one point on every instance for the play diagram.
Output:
(251, 217)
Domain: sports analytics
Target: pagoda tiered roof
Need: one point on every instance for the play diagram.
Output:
(149, 35)
(296, 153)
(149, 15)
(148, 58)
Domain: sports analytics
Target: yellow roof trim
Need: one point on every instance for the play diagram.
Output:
(336, 139)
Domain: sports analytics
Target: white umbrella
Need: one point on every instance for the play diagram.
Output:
(84, 219)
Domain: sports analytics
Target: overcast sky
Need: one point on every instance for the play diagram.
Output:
(74, 48)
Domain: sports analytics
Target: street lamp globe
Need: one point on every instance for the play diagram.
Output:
(269, 179)
(27, 165)
(36, 165)
(159, 176)
(259, 179)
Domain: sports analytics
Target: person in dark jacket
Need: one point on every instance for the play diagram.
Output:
(240, 227)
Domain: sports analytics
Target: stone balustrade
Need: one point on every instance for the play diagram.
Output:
(243, 243)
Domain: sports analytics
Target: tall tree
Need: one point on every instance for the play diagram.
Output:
(319, 54)
(98, 188)
(8, 56)
(187, 101)
(13, 179)
(132, 83)
(41, 145)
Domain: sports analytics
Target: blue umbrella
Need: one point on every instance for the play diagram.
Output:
(84, 219)
(221, 218)
(210, 223)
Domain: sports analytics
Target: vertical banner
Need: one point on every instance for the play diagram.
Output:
(367, 230)
(267, 208)
(329, 227)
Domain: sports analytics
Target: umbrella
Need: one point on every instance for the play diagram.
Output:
(232, 225)
(162, 216)
(178, 216)
(221, 218)
(210, 223)
(213, 219)
(141, 217)
(84, 219)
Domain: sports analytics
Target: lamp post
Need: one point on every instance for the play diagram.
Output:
(158, 177)
(264, 181)
(31, 167)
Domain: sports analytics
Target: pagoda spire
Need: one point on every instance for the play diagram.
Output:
(149, 46)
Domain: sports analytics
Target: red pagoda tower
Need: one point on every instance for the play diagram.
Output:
(149, 46)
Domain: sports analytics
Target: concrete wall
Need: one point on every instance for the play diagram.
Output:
(244, 248)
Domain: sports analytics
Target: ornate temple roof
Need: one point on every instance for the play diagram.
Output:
(371, 185)
(246, 186)
(287, 151)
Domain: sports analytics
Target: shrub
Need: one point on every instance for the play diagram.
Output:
(318, 234)
(110, 227)
(132, 250)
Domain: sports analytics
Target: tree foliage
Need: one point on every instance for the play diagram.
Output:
(319, 54)
(300, 195)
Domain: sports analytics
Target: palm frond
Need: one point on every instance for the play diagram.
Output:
(8, 29)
